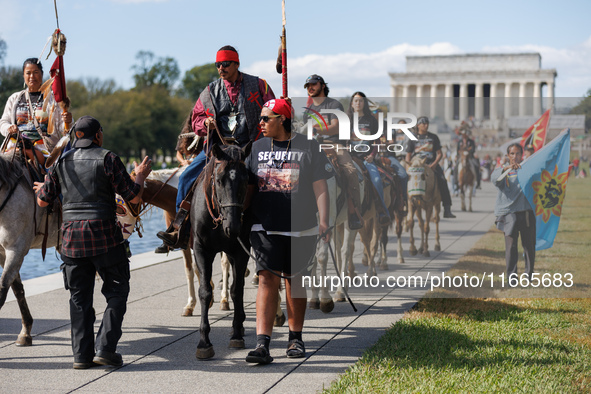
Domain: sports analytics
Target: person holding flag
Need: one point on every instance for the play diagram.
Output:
(514, 214)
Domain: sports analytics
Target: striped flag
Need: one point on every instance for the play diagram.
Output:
(543, 177)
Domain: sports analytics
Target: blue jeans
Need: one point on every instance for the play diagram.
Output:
(401, 173)
(189, 176)
(376, 179)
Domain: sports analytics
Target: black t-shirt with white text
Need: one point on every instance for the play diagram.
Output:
(426, 145)
(284, 199)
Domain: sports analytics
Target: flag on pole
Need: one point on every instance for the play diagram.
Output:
(59, 79)
(543, 177)
(536, 134)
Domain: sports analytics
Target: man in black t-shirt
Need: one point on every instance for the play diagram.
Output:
(429, 146)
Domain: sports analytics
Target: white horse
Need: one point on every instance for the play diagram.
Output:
(22, 227)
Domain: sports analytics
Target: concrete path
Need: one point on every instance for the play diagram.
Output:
(158, 344)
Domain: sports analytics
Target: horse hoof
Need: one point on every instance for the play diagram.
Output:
(224, 305)
(255, 280)
(205, 353)
(187, 312)
(426, 254)
(401, 261)
(279, 320)
(314, 304)
(437, 248)
(236, 344)
(384, 267)
(412, 251)
(211, 302)
(327, 306)
(364, 262)
(463, 209)
(24, 340)
(246, 273)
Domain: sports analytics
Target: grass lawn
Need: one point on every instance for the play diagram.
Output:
(490, 343)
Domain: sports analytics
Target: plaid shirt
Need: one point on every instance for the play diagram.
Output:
(87, 238)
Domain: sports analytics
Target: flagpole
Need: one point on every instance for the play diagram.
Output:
(283, 53)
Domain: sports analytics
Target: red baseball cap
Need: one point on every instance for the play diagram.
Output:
(280, 107)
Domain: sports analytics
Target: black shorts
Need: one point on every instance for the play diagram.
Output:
(289, 255)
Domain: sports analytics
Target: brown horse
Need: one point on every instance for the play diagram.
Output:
(466, 177)
(423, 195)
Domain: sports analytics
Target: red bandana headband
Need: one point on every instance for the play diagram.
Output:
(225, 55)
(280, 107)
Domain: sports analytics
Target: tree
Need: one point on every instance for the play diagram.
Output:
(584, 108)
(83, 91)
(11, 81)
(196, 79)
(151, 71)
(2, 50)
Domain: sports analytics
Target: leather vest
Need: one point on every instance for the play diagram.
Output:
(87, 191)
(215, 99)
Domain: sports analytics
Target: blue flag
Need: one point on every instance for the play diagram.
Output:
(543, 177)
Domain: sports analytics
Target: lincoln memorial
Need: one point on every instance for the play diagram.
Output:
(488, 87)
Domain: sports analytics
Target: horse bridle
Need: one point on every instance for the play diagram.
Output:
(215, 203)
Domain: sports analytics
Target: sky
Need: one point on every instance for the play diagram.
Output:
(352, 44)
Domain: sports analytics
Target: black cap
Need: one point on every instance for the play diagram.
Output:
(313, 79)
(85, 129)
(422, 119)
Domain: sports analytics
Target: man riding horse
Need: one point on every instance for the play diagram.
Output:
(228, 108)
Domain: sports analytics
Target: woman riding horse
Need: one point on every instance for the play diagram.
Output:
(31, 120)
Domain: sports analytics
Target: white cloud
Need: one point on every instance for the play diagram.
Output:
(346, 73)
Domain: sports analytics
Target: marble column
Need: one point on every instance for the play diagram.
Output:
(463, 101)
(493, 101)
(393, 106)
(522, 99)
(448, 102)
(537, 99)
(478, 101)
(419, 99)
(550, 94)
(508, 100)
(433, 103)
(404, 101)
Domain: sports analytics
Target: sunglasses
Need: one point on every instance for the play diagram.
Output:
(266, 118)
(223, 64)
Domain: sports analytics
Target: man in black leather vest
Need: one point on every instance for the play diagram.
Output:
(229, 108)
(88, 177)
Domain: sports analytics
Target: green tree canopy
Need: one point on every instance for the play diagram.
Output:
(584, 108)
(155, 71)
(196, 79)
(83, 91)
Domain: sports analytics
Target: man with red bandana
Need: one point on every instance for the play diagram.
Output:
(229, 107)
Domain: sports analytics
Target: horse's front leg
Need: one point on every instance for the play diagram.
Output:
(204, 264)
(470, 194)
(412, 249)
(399, 220)
(426, 228)
(436, 220)
(320, 259)
(224, 304)
(239, 264)
(190, 273)
(11, 278)
(463, 196)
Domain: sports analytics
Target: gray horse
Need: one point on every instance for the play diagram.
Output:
(22, 226)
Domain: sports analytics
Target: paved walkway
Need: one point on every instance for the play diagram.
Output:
(158, 344)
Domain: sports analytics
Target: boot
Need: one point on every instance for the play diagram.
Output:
(162, 249)
(171, 235)
(447, 213)
(354, 222)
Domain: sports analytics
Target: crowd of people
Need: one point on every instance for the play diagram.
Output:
(236, 108)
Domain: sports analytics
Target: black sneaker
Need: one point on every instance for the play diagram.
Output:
(447, 213)
(296, 349)
(84, 364)
(104, 357)
(260, 355)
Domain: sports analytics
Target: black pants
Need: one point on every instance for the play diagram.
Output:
(525, 224)
(443, 189)
(79, 278)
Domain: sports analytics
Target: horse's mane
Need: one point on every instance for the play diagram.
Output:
(231, 153)
(417, 161)
(10, 170)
